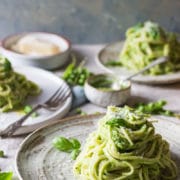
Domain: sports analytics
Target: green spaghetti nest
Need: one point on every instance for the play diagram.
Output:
(146, 42)
(125, 146)
(14, 87)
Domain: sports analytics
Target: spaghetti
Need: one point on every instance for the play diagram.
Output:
(14, 87)
(125, 146)
(147, 42)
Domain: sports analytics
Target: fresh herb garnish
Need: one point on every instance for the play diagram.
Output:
(1, 153)
(154, 108)
(6, 175)
(138, 26)
(116, 122)
(7, 65)
(75, 143)
(79, 111)
(71, 145)
(113, 63)
(76, 75)
(75, 153)
(154, 32)
(28, 109)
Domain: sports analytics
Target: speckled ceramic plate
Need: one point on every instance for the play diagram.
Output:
(38, 160)
(111, 52)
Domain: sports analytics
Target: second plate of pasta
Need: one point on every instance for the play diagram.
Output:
(48, 83)
(111, 53)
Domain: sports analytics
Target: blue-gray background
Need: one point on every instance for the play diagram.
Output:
(86, 21)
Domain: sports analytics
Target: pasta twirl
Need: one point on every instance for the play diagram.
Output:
(125, 146)
(145, 43)
(14, 87)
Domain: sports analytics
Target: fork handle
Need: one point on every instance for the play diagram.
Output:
(9, 131)
(156, 62)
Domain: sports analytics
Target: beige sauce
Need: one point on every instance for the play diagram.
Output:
(35, 46)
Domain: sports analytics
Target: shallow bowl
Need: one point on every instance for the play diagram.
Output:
(104, 98)
(45, 61)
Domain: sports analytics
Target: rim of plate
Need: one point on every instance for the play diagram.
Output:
(63, 120)
(25, 129)
(148, 79)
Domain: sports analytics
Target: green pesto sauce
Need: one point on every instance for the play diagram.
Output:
(108, 83)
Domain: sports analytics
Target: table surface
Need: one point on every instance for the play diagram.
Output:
(140, 92)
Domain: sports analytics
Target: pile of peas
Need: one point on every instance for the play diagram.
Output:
(76, 75)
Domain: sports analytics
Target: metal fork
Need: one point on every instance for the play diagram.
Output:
(53, 103)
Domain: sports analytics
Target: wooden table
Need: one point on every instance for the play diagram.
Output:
(170, 93)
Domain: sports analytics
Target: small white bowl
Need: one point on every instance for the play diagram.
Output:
(45, 61)
(108, 97)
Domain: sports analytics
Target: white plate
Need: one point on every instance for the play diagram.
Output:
(112, 51)
(49, 83)
(37, 159)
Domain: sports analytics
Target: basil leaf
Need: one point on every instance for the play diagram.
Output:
(116, 122)
(75, 143)
(71, 145)
(6, 175)
(62, 144)
(75, 153)
(7, 65)
(1, 153)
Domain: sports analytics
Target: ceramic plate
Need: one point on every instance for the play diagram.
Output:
(111, 52)
(48, 83)
(37, 159)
